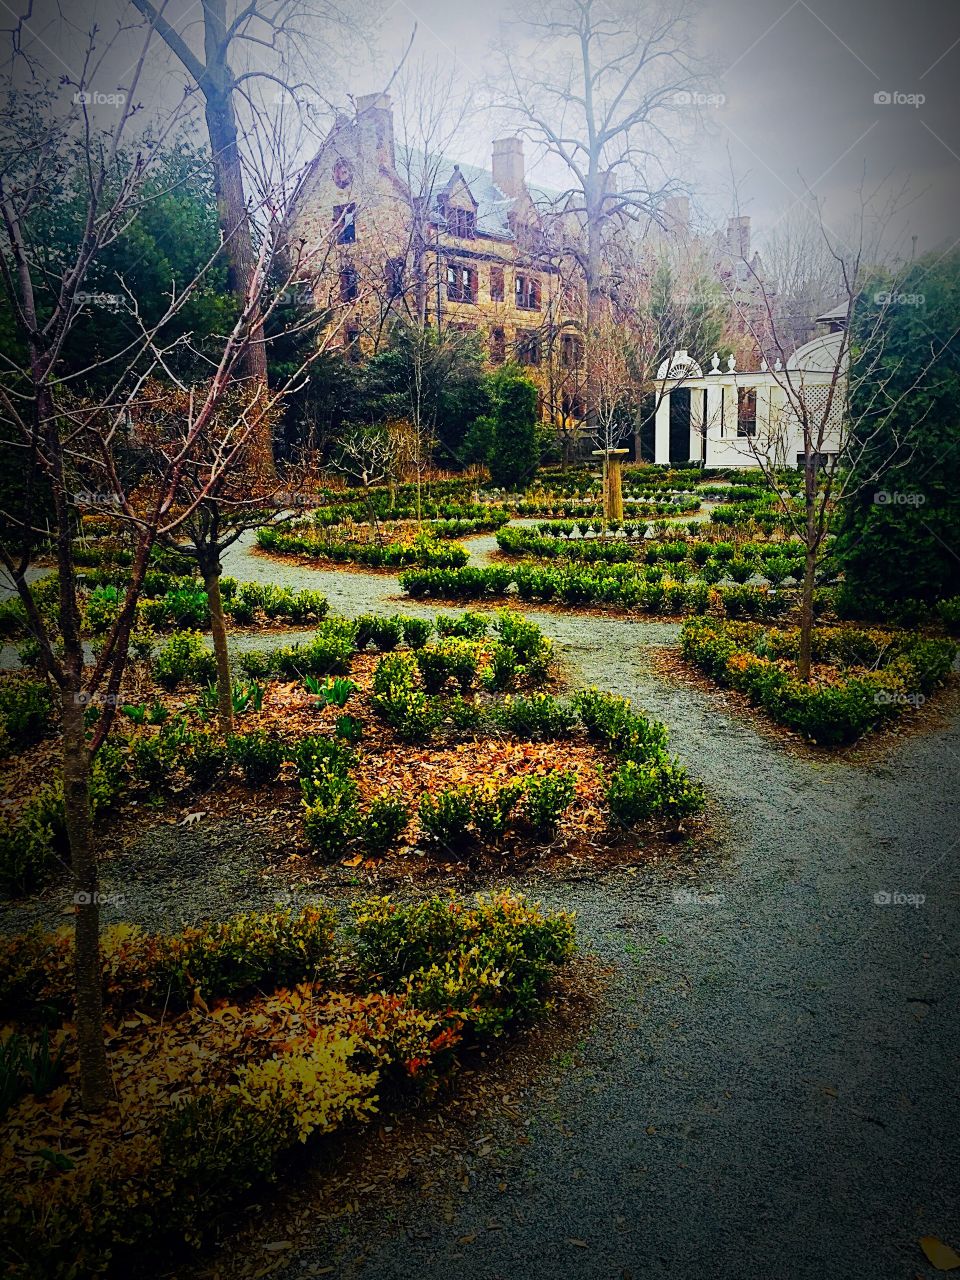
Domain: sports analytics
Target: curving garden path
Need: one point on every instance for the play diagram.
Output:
(770, 1087)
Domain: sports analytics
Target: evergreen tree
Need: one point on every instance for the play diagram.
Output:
(898, 538)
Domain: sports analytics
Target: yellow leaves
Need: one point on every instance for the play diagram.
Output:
(939, 1254)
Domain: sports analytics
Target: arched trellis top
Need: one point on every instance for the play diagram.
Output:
(680, 365)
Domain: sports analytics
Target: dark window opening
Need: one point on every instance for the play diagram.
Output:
(528, 346)
(349, 284)
(571, 350)
(571, 406)
(527, 291)
(461, 283)
(498, 346)
(746, 411)
(393, 277)
(496, 284)
(351, 337)
(345, 217)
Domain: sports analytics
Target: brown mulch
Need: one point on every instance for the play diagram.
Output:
(427, 1156)
(585, 845)
(670, 665)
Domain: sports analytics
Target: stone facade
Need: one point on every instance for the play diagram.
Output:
(418, 237)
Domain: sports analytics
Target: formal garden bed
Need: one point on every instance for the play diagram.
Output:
(441, 750)
(236, 1049)
(861, 678)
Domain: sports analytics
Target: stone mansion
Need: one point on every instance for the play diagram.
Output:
(403, 234)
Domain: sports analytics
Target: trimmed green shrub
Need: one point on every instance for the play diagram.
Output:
(260, 756)
(184, 657)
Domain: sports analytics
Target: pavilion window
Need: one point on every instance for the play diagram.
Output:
(496, 284)
(746, 411)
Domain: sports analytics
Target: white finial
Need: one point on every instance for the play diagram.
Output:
(763, 366)
(715, 363)
(731, 362)
(779, 365)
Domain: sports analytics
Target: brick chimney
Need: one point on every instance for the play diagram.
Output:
(738, 237)
(508, 165)
(375, 117)
(676, 215)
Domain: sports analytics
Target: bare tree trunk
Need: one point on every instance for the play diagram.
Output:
(95, 1083)
(218, 630)
(811, 546)
(234, 218)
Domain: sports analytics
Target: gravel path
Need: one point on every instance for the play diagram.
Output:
(771, 1086)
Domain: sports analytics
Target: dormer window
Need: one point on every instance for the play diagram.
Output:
(461, 223)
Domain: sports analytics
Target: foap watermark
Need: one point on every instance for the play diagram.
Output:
(894, 498)
(893, 698)
(85, 899)
(695, 98)
(896, 98)
(83, 699)
(894, 298)
(108, 301)
(897, 898)
(94, 98)
(96, 498)
(694, 898)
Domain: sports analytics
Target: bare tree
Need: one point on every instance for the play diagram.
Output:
(234, 34)
(71, 447)
(835, 401)
(593, 83)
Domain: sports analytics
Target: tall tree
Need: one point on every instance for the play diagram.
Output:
(69, 446)
(594, 84)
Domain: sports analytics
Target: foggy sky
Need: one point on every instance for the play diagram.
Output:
(798, 79)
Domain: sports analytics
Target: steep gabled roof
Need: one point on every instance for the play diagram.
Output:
(493, 205)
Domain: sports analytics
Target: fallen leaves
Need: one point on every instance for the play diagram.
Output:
(939, 1254)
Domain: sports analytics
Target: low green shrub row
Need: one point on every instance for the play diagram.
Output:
(875, 674)
(423, 551)
(620, 585)
(299, 1064)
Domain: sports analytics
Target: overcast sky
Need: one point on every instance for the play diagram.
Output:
(797, 78)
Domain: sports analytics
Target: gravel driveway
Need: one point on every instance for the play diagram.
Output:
(770, 1089)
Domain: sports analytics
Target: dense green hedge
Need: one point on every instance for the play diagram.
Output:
(876, 674)
(621, 585)
(393, 555)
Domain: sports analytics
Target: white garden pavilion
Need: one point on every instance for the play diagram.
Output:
(734, 418)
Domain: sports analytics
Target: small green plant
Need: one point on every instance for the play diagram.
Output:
(491, 808)
(184, 658)
(380, 829)
(330, 693)
(348, 728)
(466, 626)
(260, 756)
(445, 817)
(27, 1067)
(538, 716)
(153, 761)
(655, 788)
(204, 758)
(416, 631)
(546, 799)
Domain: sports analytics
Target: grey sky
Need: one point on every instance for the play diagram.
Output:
(798, 78)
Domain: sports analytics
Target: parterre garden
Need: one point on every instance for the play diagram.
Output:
(404, 748)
